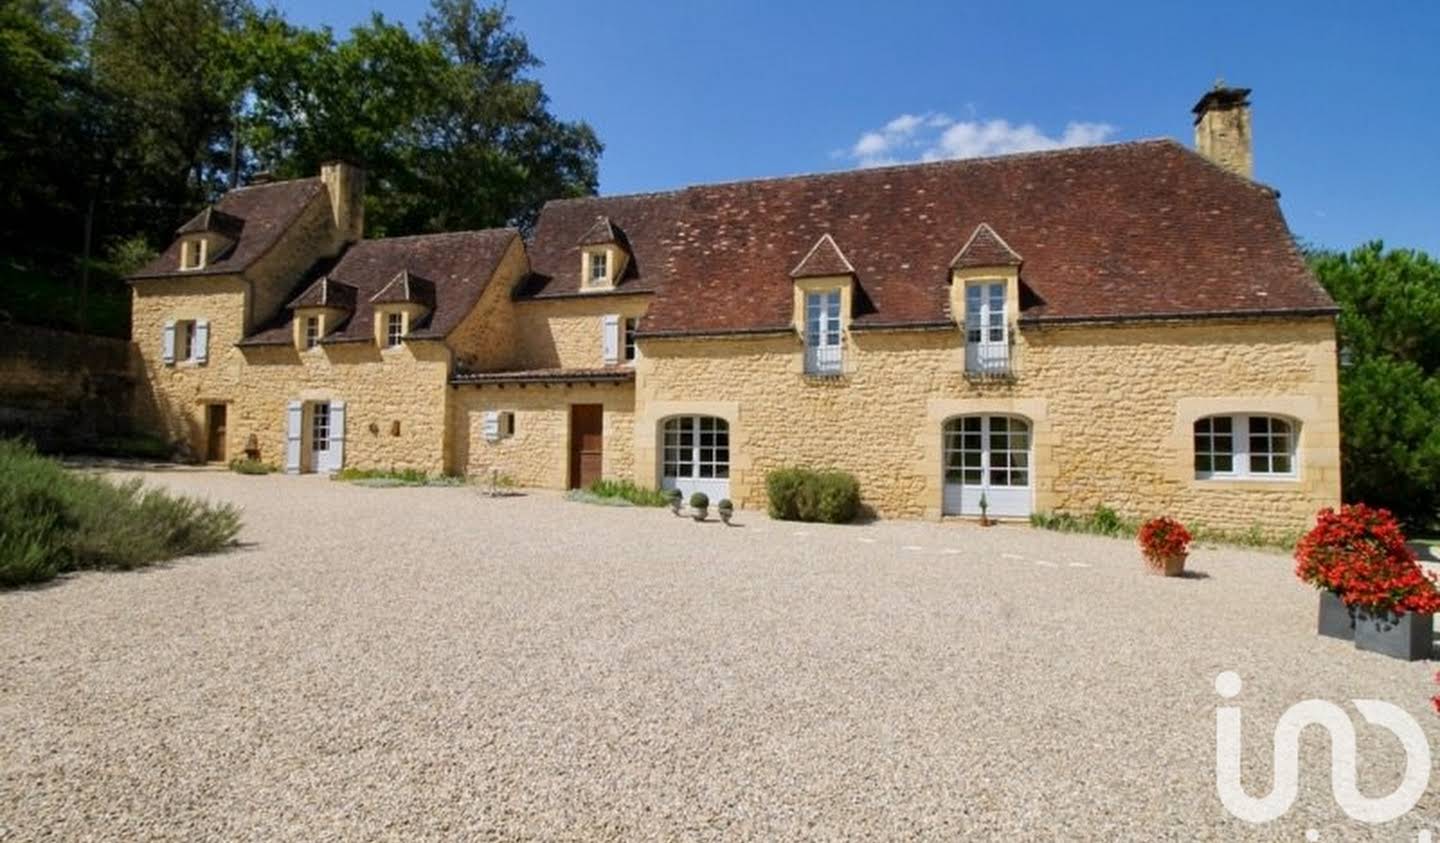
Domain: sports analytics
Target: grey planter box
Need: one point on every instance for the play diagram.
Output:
(1336, 619)
(1408, 636)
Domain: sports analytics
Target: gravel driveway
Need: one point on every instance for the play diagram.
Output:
(432, 663)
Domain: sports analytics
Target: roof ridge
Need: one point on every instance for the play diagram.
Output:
(468, 231)
(911, 165)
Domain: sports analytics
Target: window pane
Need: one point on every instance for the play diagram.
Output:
(1259, 464)
(1280, 463)
(1203, 462)
(1224, 463)
(1019, 478)
(1223, 424)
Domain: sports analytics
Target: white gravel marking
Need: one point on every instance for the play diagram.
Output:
(951, 550)
(865, 540)
(1011, 556)
(408, 664)
(912, 547)
(1046, 563)
(1079, 564)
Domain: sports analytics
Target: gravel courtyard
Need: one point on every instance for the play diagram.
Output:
(433, 663)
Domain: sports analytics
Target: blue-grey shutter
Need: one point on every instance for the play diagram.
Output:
(202, 340)
(491, 428)
(295, 417)
(167, 346)
(612, 339)
(337, 435)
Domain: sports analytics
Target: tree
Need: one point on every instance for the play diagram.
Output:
(1389, 328)
(453, 133)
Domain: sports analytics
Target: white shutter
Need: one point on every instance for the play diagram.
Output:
(612, 339)
(202, 340)
(295, 416)
(167, 348)
(492, 426)
(337, 435)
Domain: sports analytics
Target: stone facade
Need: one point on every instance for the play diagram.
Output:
(1111, 409)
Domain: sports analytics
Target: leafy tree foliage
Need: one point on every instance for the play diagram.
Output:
(117, 122)
(1390, 383)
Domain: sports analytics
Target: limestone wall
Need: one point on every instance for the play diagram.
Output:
(1111, 407)
(277, 274)
(62, 389)
(538, 455)
(569, 333)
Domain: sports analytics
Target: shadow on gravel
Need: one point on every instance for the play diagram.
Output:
(1188, 574)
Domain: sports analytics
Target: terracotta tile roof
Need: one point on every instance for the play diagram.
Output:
(985, 249)
(326, 292)
(648, 223)
(458, 266)
(607, 374)
(406, 287)
(265, 211)
(212, 219)
(601, 233)
(824, 258)
(1134, 230)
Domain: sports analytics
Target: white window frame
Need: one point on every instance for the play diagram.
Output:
(690, 461)
(1240, 447)
(394, 329)
(185, 340)
(627, 340)
(600, 260)
(312, 332)
(987, 327)
(824, 346)
(320, 427)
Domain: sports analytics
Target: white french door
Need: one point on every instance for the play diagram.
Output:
(696, 456)
(988, 456)
(987, 348)
(823, 353)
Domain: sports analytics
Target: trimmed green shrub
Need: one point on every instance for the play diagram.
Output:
(801, 494)
(699, 500)
(249, 466)
(385, 477)
(53, 520)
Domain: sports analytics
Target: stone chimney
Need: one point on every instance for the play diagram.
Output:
(346, 184)
(1222, 128)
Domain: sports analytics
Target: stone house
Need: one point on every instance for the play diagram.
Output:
(1128, 324)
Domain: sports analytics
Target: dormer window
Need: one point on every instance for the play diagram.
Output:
(603, 256)
(394, 329)
(985, 298)
(312, 331)
(824, 280)
(192, 253)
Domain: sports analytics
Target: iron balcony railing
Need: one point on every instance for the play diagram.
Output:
(990, 360)
(824, 360)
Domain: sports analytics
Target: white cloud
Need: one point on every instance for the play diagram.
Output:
(934, 136)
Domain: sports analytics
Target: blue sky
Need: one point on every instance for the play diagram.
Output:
(1346, 95)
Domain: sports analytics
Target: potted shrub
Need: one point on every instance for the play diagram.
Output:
(674, 498)
(1371, 587)
(1165, 543)
(726, 510)
(700, 504)
(984, 511)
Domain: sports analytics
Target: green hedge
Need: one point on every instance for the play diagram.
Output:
(53, 520)
(801, 494)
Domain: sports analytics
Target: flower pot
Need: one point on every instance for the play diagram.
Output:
(1167, 566)
(725, 515)
(1336, 619)
(1408, 636)
(700, 513)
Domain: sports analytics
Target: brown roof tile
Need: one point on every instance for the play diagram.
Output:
(824, 258)
(1132, 230)
(458, 266)
(326, 292)
(983, 249)
(406, 287)
(604, 374)
(212, 219)
(265, 212)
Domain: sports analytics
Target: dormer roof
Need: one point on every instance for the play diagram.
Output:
(602, 232)
(985, 248)
(212, 220)
(406, 287)
(824, 258)
(326, 292)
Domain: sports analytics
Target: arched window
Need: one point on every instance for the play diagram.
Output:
(1244, 446)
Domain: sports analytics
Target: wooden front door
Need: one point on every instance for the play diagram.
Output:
(587, 437)
(215, 432)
